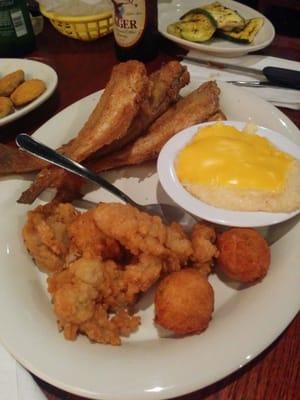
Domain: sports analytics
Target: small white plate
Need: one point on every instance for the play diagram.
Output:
(168, 179)
(171, 11)
(32, 70)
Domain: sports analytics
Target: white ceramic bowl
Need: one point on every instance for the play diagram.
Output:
(182, 197)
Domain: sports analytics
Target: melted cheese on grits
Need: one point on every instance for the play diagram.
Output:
(222, 156)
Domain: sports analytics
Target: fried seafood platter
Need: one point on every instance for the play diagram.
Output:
(101, 263)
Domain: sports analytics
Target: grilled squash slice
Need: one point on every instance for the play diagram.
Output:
(200, 25)
(197, 31)
(247, 35)
(174, 29)
(226, 18)
(196, 26)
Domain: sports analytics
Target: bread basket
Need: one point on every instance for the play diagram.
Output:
(86, 28)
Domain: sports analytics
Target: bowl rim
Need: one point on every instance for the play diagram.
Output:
(218, 215)
(74, 19)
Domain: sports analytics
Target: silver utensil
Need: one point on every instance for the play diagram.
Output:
(255, 84)
(167, 212)
(279, 76)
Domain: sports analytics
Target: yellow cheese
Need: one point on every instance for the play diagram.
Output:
(223, 156)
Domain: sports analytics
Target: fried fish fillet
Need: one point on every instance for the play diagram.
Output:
(110, 120)
(218, 116)
(165, 85)
(14, 161)
(198, 106)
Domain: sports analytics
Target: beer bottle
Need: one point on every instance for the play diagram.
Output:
(135, 29)
(16, 33)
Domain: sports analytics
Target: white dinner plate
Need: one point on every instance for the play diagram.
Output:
(171, 10)
(32, 70)
(171, 184)
(146, 366)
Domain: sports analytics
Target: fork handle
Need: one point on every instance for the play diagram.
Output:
(40, 150)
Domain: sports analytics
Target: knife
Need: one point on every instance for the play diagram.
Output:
(281, 76)
(257, 84)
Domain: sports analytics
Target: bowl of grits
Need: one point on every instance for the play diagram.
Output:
(232, 173)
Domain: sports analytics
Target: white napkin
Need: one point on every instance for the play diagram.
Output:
(281, 97)
(15, 382)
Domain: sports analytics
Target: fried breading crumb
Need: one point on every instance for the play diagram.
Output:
(142, 233)
(45, 235)
(92, 296)
(205, 251)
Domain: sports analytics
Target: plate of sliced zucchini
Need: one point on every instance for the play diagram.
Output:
(223, 28)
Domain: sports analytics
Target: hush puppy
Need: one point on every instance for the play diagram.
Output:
(10, 82)
(27, 92)
(244, 255)
(6, 107)
(184, 302)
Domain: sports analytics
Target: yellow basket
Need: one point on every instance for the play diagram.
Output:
(84, 28)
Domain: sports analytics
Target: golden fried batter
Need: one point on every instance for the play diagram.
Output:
(27, 92)
(88, 241)
(184, 302)
(244, 255)
(10, 82)
(119, 104)
(45, 235)
(102, 329)
(203, 241)
(6, 107)
(142, 233)
(85, 294)
(165, 85)
(196, 107)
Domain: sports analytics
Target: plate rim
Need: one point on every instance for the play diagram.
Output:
(168, 391)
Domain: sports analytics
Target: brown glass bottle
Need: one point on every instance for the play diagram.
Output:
(135, 29)
(16, 33)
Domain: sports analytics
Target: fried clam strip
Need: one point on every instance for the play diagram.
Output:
(165, 85)
(110, 120)
(203, 238)
(92, 296)
(141, 233)
(46, 236)
(197, 107)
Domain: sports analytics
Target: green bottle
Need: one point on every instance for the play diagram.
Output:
(16, 33)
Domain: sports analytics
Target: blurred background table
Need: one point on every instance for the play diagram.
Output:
(83, 68)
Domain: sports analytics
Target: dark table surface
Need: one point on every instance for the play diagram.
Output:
(84, 68)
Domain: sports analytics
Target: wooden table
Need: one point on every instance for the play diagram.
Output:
(84, 68)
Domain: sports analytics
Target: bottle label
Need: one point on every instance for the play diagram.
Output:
(18, 22)
(129, 21)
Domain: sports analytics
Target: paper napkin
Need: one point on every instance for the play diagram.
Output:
(15, 382)
(280, 97)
